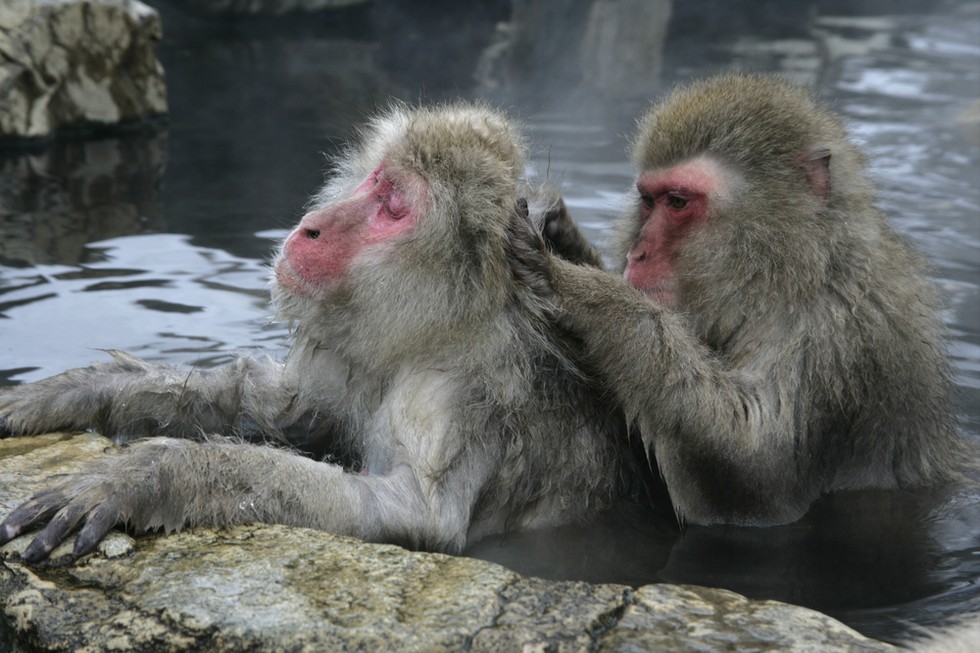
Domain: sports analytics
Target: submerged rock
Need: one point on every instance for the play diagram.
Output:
(73, 63)
(264, 587)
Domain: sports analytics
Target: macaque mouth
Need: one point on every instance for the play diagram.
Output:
(289, 278)
(663, 292)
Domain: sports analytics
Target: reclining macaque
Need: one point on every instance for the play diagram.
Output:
(768, 333)
(417, 358)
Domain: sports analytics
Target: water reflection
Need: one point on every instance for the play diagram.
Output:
(55, 201)
(102, 245)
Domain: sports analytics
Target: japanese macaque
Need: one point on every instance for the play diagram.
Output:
(774, 338)
(417, 357)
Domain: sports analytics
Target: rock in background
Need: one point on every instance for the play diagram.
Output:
(77, 63)
(261, 588)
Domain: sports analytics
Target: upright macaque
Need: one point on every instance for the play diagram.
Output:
(775, 339)
(416, 357)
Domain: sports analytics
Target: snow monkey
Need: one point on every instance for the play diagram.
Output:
(768, 334)
(416, 355)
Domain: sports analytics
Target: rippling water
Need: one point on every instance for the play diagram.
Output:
(157, 244)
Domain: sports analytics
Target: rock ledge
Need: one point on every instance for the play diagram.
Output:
(77, 63)
(276, 588)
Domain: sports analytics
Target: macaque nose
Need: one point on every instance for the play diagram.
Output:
(311, 234)
(636, 256)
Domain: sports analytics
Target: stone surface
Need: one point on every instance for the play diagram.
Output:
(276, 588)
(70, 63)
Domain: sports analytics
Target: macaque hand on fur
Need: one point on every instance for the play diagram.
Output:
(562, 235)
(527, 253)
(553, 277)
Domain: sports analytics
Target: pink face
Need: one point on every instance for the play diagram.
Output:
(319, 251)
(673, 202)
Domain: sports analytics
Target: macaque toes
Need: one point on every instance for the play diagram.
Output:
(774, 338)
(417, 360)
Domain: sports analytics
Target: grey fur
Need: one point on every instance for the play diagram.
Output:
(805, 354)
(431, 372)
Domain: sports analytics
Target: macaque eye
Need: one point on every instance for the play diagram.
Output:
(394, 205)
(647, 201)
(676, 202)
(390, 211)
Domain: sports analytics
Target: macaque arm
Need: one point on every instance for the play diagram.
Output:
(169, 483)
(725, 439)
(129, 397)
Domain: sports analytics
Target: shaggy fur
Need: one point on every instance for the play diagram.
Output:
(805, 351)
(429, 371)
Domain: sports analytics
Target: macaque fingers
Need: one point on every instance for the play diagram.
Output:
(565, 239)
(98, 523)
(527, 252)
(61, 512)
(61, 525)
(25, 517)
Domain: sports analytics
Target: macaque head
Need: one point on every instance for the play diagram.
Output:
(411, 226)
(731, 170)
(385, 207)
(674, 202)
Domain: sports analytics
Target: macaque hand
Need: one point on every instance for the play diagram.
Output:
(527, 253)
(64, 506)
(563, 236)
(108, 492)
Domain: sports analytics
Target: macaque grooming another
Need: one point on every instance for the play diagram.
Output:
(417, 357)
(774, 338)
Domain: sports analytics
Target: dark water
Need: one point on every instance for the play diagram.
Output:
(156, 242)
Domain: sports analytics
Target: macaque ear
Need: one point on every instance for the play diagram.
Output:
(816, 165)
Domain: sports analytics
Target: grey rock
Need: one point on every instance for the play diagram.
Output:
(66, 63)
(265, 587)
